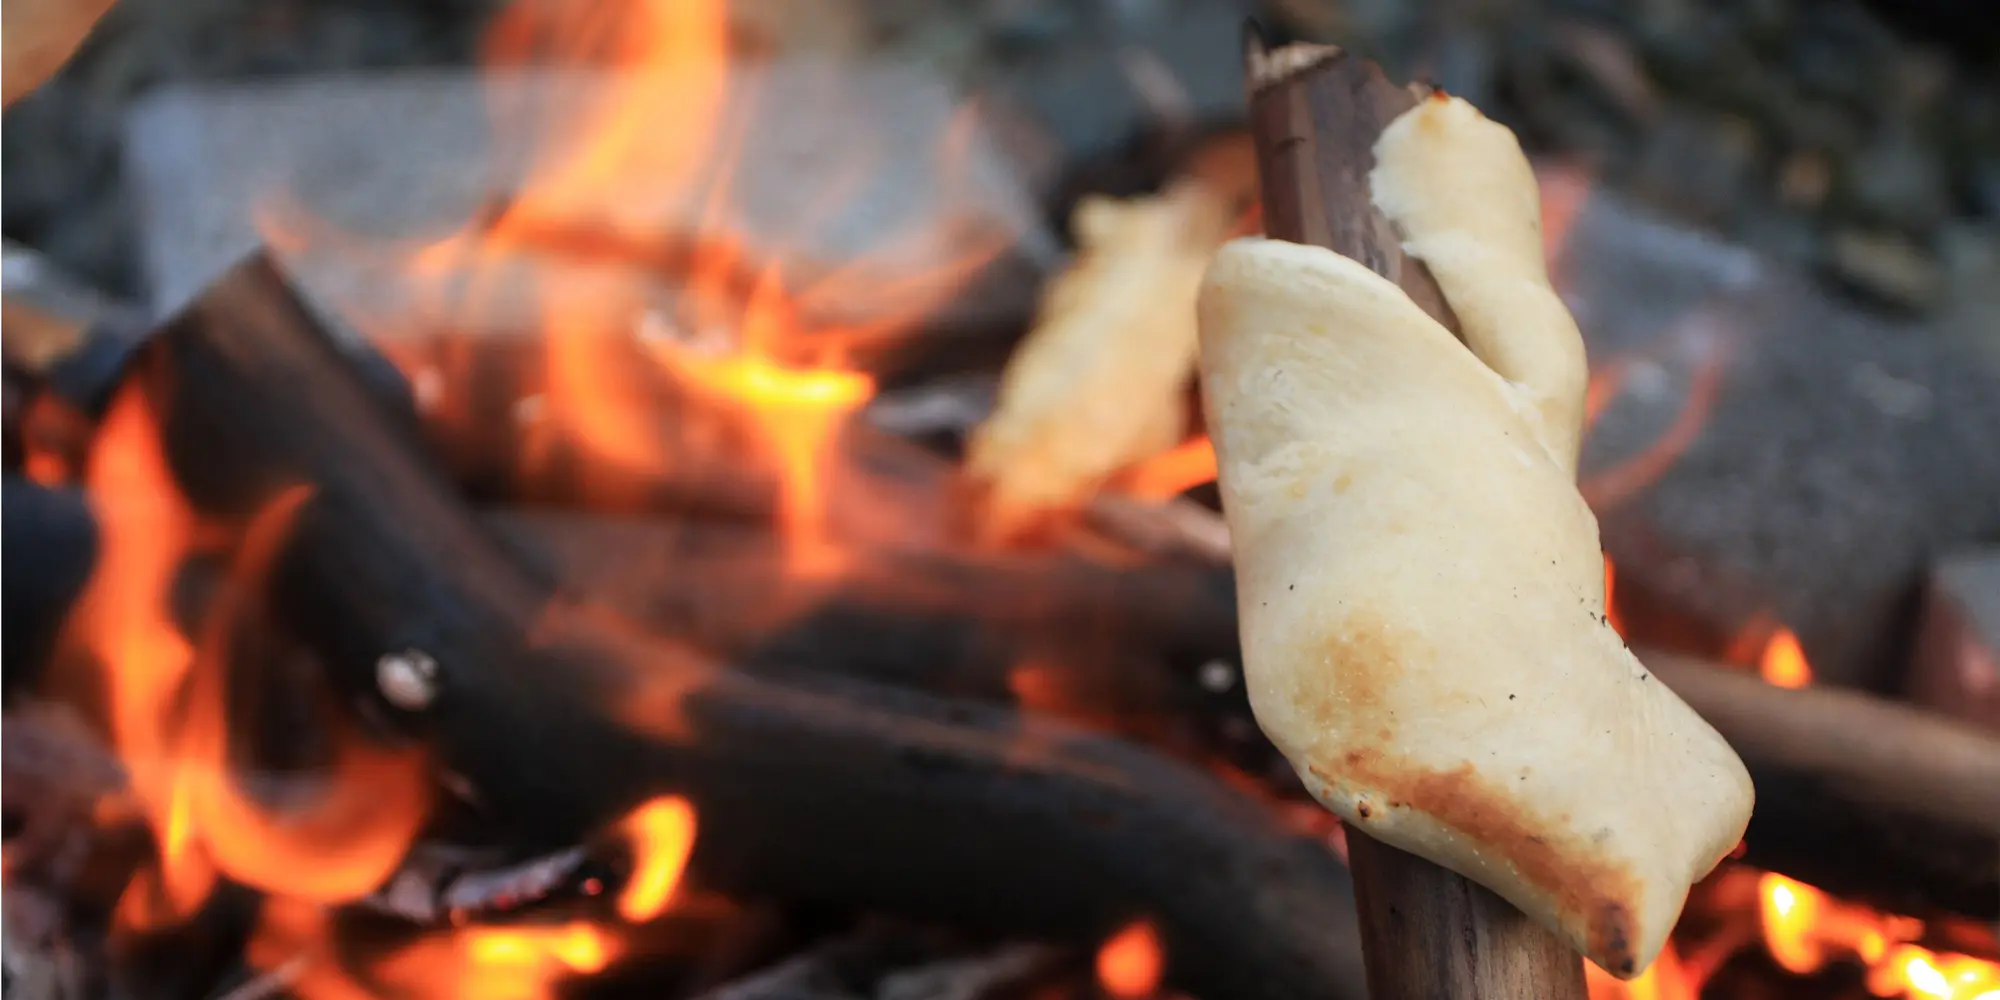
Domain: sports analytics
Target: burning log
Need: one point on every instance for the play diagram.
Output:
(1122, 646)
(1316, 115)
(557, 718)
(1867, 799)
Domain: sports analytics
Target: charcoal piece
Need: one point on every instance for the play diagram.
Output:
(1766, 454)
(50, 546)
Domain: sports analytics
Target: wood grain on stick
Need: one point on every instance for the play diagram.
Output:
(1316, 113)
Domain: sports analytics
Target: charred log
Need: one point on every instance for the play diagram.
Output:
(1122, 648)
(1868, 799)
(50, 543)
(559, 719)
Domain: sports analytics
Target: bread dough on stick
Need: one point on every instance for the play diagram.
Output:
(40, 36)
(1098, 383)
(1420, 585)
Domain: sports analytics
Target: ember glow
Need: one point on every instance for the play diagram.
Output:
(1130, 963)
(293, 945)
(498, 963)
(1784, 662)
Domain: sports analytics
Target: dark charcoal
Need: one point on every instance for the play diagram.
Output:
(50, 547)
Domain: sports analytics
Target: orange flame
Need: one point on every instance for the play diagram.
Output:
(661, 119)
(639, 175)
(166, 706)
(1172, 472)
(1804, 929)
(1784, 663)
(294, 937)
(498, 963)
(1130, 963)
(662, 834)
(1610, 593)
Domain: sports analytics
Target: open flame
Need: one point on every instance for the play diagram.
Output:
(1804, 929)
(166, 706)
(744, 337)
(638, 171)
(662, 118)
(293, 942)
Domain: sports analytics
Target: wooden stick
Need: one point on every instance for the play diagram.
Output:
(1316, 114)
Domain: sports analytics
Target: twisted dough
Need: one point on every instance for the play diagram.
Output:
(1420, 584)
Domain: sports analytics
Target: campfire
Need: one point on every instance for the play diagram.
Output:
(586, 598)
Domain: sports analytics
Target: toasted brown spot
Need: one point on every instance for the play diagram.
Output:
(1571, 869)
(1342, 482)
(1363, 656)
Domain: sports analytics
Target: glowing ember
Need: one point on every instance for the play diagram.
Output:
(1129, 964)
(662, 833)
(1784, 663)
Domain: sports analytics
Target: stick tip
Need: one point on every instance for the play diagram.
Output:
(1264, 66)
(1256, 45)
